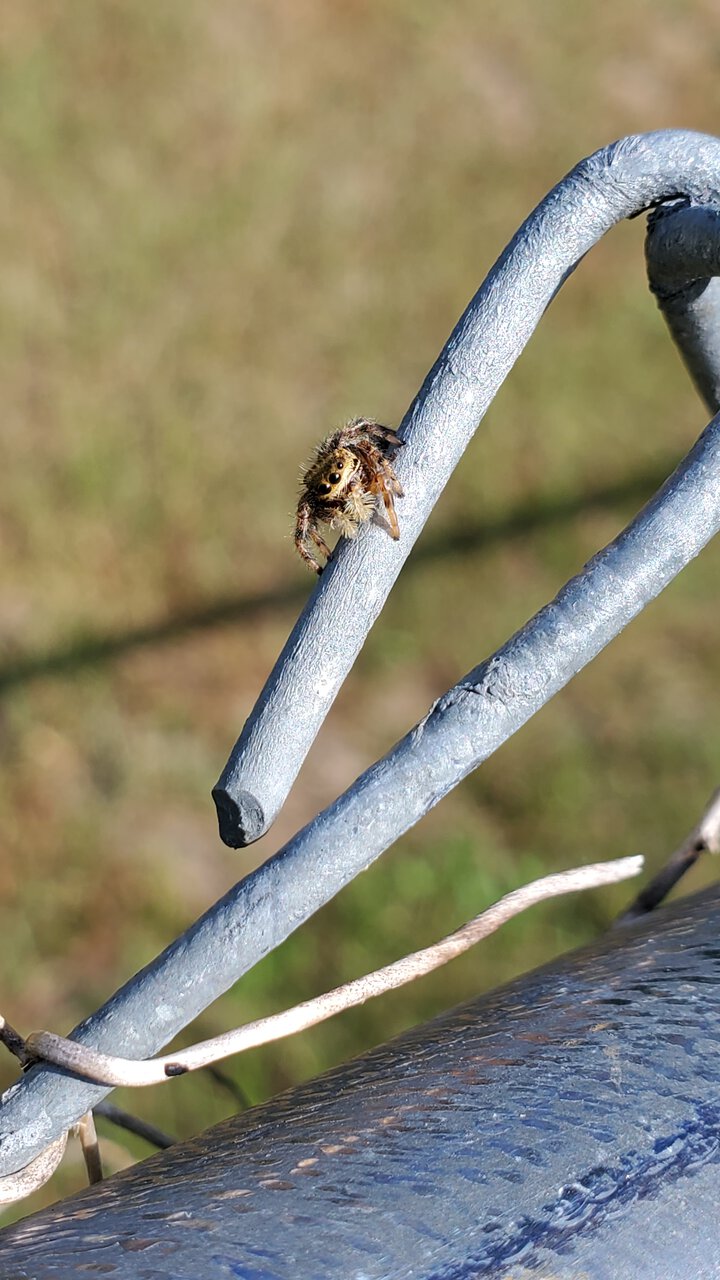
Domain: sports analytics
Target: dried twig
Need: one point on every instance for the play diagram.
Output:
(107, 1069)
(86, 1132)
(14, 1042)
(115, 1115)
(17, 1186)
(133, 1124)
(704, 838)
(231, 1086)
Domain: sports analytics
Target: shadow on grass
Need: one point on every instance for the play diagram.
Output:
(94, 649)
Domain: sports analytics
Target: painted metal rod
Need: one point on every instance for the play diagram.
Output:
(683, 260)
(459, 732)
(615, 183)
(565, 1125)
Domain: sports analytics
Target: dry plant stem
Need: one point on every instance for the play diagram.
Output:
(133, 1124)
(107, 1069)
(115, 1115)
(86, 1132)
(14, 1042)
(19, 1185)
(231, 1086)
(704, 838)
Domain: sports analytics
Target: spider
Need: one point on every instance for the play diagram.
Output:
(344, 484)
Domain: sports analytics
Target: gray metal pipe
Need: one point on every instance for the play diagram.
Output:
(682, 249)
(615, 183)
(565, 1125)
(463, 728)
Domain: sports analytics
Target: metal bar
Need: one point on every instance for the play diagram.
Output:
(463, 728)
(683, 260)
(615, 183)
(565, 1125)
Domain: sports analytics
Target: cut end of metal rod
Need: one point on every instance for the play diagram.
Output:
(241, 818)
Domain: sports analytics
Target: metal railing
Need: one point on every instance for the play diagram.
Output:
(677, 174)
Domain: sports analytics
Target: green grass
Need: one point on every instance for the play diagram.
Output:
(224, 229)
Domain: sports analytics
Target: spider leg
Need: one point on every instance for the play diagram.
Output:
(390, 520)
(304, 529)
(382, 438)
(393, 483)
(387, 439)
(320, 543)
(374, 461)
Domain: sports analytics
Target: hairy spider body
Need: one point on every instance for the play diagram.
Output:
(347, 483)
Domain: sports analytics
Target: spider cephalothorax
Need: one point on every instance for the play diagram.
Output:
(350, 475)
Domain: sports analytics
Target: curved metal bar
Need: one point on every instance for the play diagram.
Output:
(463, 728)
(565, 1125)
(615, 183)
(683, 260)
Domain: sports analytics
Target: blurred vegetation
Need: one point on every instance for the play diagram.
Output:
(225, 228)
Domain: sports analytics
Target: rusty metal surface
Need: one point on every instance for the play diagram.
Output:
(567, 1125)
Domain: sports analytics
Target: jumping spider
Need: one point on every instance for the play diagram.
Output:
(344, 484)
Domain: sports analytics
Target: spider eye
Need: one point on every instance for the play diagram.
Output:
(334, 478)
(323, 488)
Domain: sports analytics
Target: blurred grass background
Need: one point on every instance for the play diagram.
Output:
(226, 228)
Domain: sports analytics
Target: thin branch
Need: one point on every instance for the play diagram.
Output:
(21, 1184)
(133, 1124)
(14, 1042)
(107, 1069)
(86, 1132)
(704, 838)
(231, 1086)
